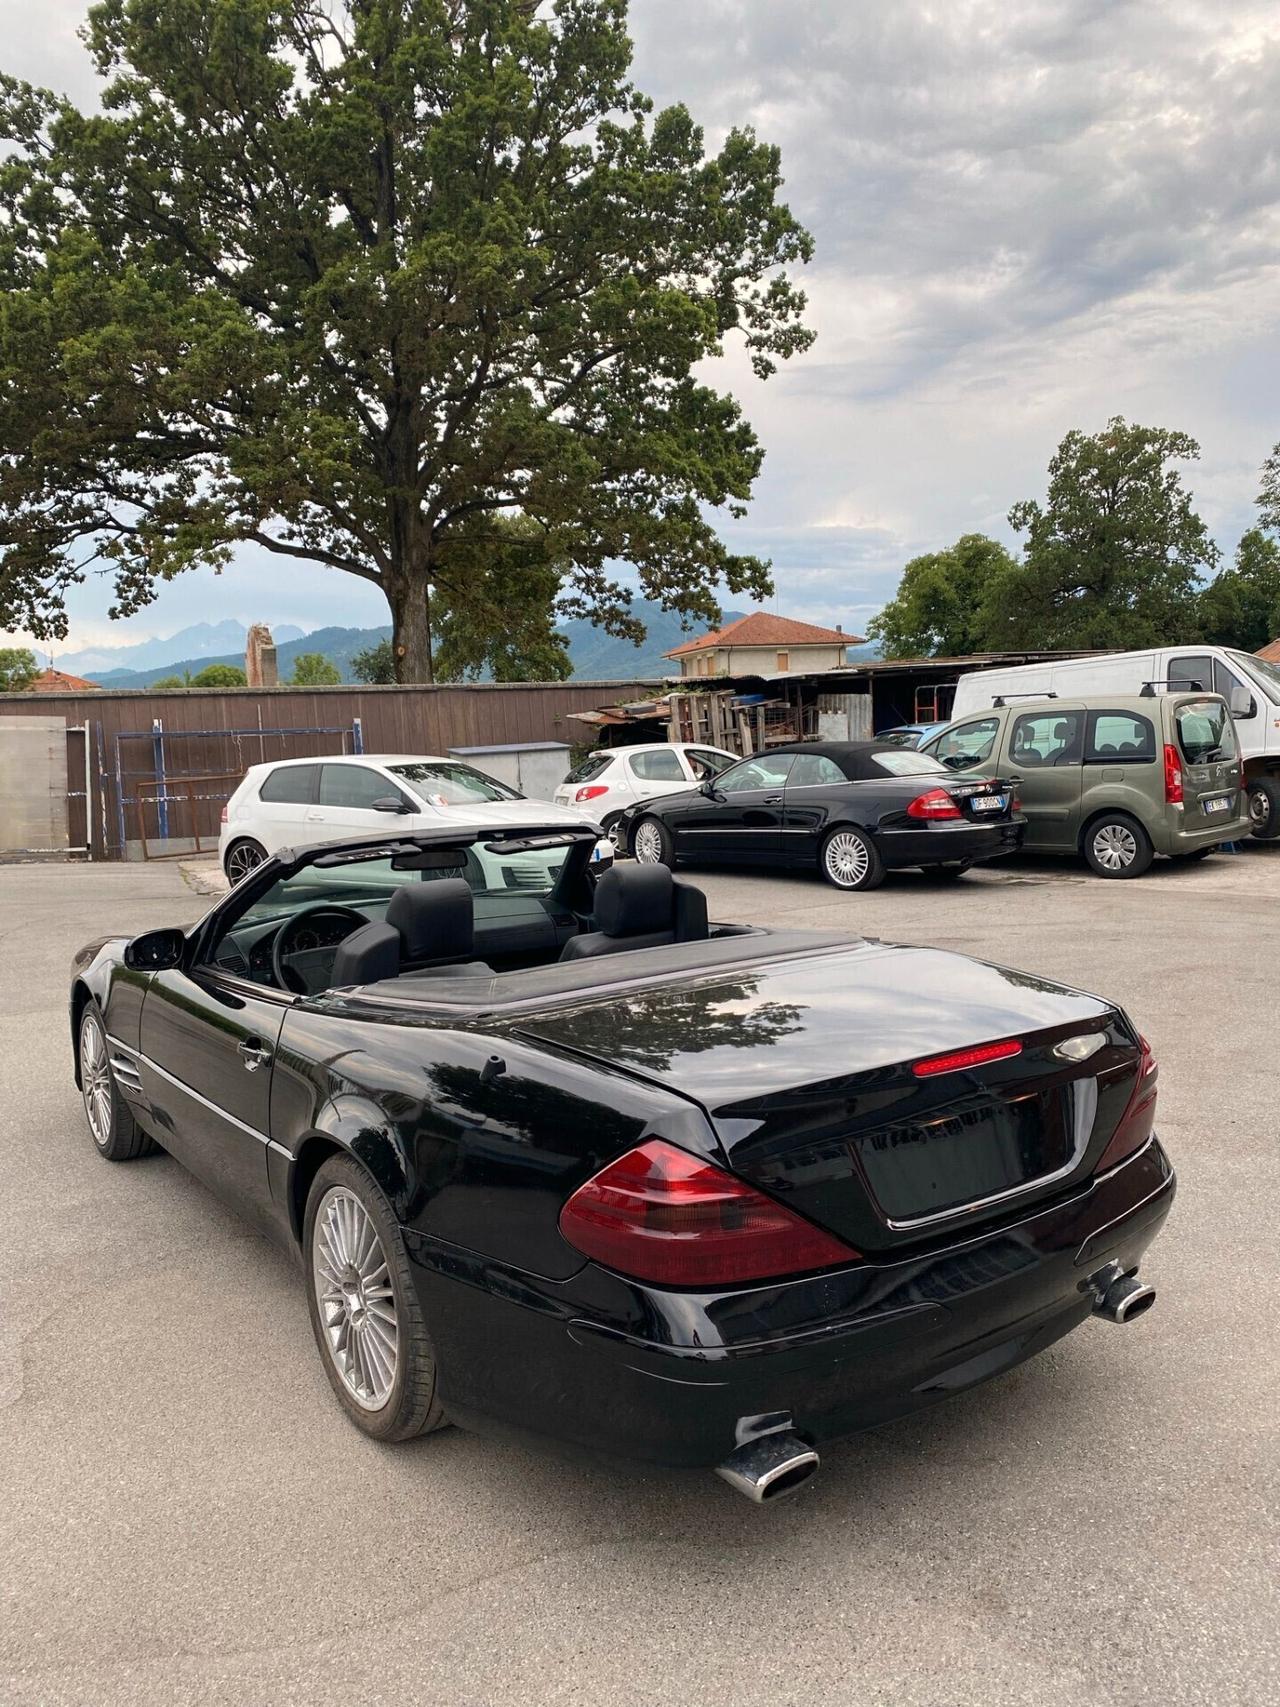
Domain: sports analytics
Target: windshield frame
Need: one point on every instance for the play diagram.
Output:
(1259, 671)
(420, 786)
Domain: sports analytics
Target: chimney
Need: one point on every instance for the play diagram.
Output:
(839, 628)
(260, 658)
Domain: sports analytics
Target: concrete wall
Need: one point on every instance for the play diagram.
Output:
(33, 785)
(762, 660)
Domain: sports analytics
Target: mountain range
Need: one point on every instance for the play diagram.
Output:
(595, 655)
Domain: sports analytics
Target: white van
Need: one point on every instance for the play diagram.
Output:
(1250, 687)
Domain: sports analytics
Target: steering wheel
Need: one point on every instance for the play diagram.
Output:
(289, 977)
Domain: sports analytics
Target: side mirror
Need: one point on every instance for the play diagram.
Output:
(155, 951)
(1243, 705)
(391, 803)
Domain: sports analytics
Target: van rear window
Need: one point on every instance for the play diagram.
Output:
(1205, 731)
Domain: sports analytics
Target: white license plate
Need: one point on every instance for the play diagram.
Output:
(989, 802)
(1221, 804)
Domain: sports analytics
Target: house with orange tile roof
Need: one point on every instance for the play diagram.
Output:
(58, 681)
(1270, 653)
(761, 644)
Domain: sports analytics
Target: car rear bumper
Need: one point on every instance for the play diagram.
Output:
(630, 1371)
(941, 844)
(1178, 841)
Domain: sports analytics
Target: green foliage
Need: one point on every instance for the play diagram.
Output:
(1115, 555)
(1241, 607)
(506, 627)
(940, 608)
(18, 669)
(345, 282)
(377, 664)
(314, 670)
(219, 676)
(166, 682)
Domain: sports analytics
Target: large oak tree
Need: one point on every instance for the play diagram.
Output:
(350, 281)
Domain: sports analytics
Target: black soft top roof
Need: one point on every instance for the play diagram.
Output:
(853, 757)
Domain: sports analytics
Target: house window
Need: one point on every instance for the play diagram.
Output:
(784, 660)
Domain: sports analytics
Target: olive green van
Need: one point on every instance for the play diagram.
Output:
(1118, 779)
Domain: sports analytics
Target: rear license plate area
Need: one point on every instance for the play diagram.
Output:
(964, 1153)
(989, 802)
(1219, 803)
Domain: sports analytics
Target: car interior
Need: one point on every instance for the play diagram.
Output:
(345, 917)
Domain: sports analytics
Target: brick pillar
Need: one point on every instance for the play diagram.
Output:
(260, 658)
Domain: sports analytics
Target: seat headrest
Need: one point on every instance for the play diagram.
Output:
(1061, 731)
(632, 900)
(436, 919)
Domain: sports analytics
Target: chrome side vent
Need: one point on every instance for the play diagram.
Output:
(126, 1074)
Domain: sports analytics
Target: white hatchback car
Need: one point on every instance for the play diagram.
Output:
(297, 802)
(610, 779)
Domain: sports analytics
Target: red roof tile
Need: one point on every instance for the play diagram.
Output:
(57, 681)
(1270, 653)
(759, 628)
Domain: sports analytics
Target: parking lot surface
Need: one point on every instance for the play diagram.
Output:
(186, 1516)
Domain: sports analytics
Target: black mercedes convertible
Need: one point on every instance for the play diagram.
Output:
(563, 1156)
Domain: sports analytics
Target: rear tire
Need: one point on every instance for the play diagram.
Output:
(365, 1314)
(243, 856)
(116, 1135)
(1116, 845)
(651, 843)
(848, 859)
(1264, 807)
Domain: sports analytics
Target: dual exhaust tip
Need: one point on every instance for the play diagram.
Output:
(770, 1466)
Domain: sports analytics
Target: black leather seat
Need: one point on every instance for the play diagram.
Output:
(428, 927)
(641, 906)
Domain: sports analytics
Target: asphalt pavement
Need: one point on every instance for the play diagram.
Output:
(187, 1517)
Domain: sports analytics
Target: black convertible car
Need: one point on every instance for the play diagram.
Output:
(568, 1158)
(852, 809)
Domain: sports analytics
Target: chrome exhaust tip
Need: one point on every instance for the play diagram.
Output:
(770, 1467)
(1120, 1297)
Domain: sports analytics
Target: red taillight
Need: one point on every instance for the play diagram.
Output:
(662, 1215)
(223, 819)
(593, 792)
(959, 1059)
(937, 803)
(1172, 776)
(1134, 1126)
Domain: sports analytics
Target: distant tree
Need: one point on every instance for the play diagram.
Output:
(172, 682)
(338, 279)
(506, 629)
(377, 664)
(18, 669)
(1241, 606)
(941, 606)
(219, 676)
(1114, 556)
(314, 670)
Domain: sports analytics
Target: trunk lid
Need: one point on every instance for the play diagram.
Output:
(1211, 777)
(805, 1068)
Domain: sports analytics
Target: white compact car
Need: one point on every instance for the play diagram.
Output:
(298, 802)
(613, 778)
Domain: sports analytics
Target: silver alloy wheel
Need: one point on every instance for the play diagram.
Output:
(1115, 847)
(95, 1079)
(846, 859)
(647, 847)
(1259, 808)
(356, 1298)
(242, 859)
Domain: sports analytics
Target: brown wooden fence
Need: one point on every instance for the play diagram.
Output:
(162, 764)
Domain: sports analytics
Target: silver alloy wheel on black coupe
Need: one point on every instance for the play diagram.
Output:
(242, 858)
(95, 1079)
(1115, 846)
(847, 859)
(357, 1301)
(647, 845)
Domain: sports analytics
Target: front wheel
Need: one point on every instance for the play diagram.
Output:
(651, 843)
(365, 1314)
(849, 859)
(1264, 808)
(115, 1133)
(1116, 845)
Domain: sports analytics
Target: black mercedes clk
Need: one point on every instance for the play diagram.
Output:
(852, 810)
(566, 1157)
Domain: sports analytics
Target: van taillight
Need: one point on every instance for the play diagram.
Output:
(937, 803)
(1135, 1124)
(1172, 776)
(662, 1215)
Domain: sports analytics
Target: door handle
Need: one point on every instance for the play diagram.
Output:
(772, 800)
(253, 1052)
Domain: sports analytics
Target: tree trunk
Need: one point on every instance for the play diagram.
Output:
(410, 603)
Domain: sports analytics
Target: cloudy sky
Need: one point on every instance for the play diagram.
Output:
(1030, 215)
